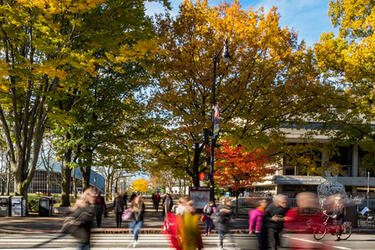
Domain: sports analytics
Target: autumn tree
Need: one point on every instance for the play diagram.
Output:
(140, 185)
(269, 80)
(238, 168)
(39, 60)
(346, 60)
(119, 35)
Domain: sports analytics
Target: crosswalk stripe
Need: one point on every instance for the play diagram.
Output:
(99, 242)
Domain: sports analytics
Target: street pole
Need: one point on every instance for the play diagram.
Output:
(213, 138)
(368, 188)
(212, 159)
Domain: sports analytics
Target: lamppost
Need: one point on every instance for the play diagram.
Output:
(215, 112)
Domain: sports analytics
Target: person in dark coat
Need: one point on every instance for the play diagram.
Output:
(118, 208)
(156, 200)
(100, 207)
(224, 215)
(125, 197)
(79, 223)
(137, 207)
(273, 221)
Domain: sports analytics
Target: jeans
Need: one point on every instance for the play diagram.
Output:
(209, 224)
(156, 206)
(274, 238)
(99, 214)
(221, 238)
(83, 246)
(118, 219)
(136, 226)
(260, 240)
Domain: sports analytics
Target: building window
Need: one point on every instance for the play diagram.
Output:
(344, 158)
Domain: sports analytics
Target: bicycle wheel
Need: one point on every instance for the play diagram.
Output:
(319, 232)
(346, 231)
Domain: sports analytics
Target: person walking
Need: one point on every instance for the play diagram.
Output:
(188, 225)
(156, 200)
(125, 198)
(137, 207)
(273, 221)
(208, 210)
(118, 207)
(79, 223)
(167, 204)
(224, 215)
(298, 218)
(100, 207)
(255, 221)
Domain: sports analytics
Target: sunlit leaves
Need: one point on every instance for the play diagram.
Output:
(238, 168)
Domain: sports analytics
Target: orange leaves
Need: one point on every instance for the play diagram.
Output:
(237, 168)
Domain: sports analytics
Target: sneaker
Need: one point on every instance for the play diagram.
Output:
(135, 243)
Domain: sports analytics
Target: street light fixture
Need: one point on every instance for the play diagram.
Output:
(226, 58)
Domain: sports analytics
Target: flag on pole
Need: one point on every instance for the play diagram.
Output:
(216, 120)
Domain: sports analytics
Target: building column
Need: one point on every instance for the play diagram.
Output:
(355, 161)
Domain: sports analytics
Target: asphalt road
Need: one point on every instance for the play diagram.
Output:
(157, 241)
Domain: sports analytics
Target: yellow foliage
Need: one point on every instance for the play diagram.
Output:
(140, 185)
(350, 54)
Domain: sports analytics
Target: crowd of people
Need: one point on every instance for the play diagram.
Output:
(181, 222)
(267, 221)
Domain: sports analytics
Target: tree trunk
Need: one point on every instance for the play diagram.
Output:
(111, 185)
(86, 169)
(195, 174)
(116, 185)
(75, 183)
(107, 193)
(86, 173)
(237, 193)
(8, 178)
(66, 179)
(48, 181)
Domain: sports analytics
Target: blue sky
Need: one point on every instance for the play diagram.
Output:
(309, 18)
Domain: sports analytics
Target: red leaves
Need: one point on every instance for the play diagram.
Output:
(237, 168)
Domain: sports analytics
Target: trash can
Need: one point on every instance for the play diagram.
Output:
(18, 206)
(4, 206)
(46, 206)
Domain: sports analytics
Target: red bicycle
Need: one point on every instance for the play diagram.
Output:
(341, 231)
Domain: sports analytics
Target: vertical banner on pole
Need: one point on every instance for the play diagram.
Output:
(216, 121)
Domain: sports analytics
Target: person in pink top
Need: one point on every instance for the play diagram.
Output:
(255, 221)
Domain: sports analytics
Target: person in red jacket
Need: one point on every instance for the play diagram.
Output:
(255, 221)
(297, 219)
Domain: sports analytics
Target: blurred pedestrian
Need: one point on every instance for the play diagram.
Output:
(273, 222)
(188, 225)
(297, 219)
(118, 208)
(100, 207)
(137, 207)
(255, 221)
(80, 221)
(224, 215)
(125, 198)
(167, 204)
(156, 200)
(208, 210)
